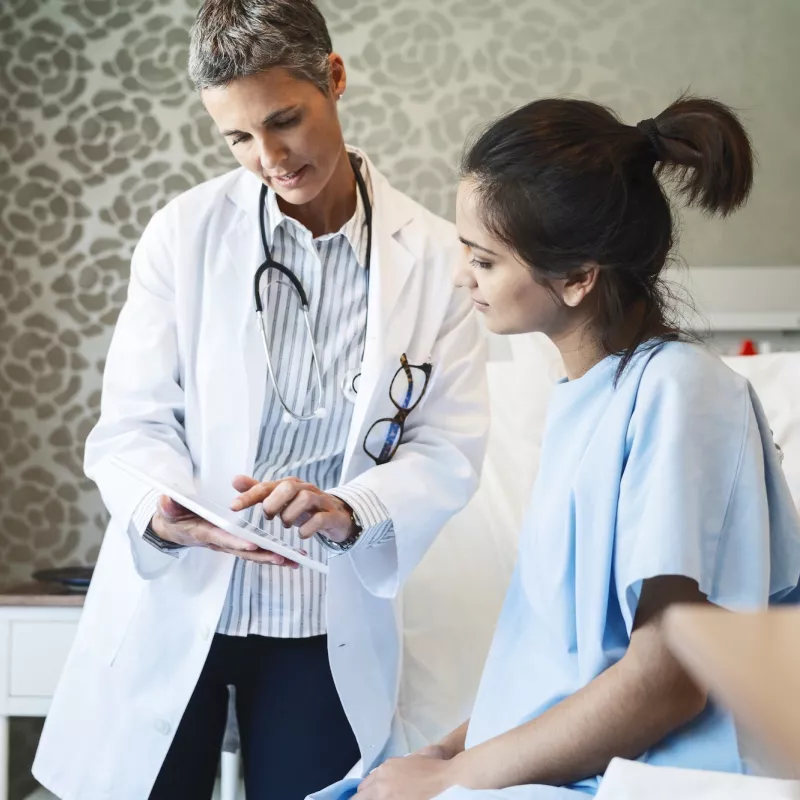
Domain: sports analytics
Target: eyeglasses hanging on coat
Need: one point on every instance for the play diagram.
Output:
(409, 383)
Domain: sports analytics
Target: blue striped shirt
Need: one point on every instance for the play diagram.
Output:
(275, 601)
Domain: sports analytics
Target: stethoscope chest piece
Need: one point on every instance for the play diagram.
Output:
(350, 384)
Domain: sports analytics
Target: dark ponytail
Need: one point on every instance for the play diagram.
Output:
(564, 183)
(706, 152)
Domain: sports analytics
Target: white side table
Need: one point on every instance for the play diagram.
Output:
(37, 628)
(36, 633)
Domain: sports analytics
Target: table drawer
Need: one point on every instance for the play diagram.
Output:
(37, 656)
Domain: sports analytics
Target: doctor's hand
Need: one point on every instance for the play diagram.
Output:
(174, 523)
(297, 504)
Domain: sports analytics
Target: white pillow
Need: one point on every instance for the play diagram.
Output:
(776, 379)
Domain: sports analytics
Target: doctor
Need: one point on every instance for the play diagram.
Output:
(291, 342)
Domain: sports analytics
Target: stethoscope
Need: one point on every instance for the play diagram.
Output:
(350, 382)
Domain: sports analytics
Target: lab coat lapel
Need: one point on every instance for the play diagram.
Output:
(245, 374)
(387, 328)
(389, 322)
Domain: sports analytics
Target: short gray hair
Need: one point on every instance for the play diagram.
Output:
(232, 39)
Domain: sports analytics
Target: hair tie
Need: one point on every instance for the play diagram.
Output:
(649, 128)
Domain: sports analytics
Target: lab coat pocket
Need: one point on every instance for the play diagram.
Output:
(107, 641)
(113, 599)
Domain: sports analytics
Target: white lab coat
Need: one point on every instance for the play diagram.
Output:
(184, 389)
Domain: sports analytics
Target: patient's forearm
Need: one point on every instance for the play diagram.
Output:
(618, 714)
(453, 743)
(623, 712)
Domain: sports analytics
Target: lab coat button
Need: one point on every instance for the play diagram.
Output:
(206, 633)
(162, 726)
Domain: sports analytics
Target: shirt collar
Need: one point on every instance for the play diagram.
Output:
(354, 230)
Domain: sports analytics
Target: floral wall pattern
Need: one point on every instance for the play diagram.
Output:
(99, 127)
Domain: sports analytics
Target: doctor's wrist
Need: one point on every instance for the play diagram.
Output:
(157, 535)
(348, 538)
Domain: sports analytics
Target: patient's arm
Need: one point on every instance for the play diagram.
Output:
(449, 747)
(623, 712)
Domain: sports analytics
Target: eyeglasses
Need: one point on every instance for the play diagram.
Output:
(406, 391)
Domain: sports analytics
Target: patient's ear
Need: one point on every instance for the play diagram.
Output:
(579, 285)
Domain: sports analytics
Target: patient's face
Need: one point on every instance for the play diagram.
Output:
(502, 287)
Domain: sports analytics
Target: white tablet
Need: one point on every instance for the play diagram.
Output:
(224, 518)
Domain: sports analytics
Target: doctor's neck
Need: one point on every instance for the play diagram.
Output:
(333, 206)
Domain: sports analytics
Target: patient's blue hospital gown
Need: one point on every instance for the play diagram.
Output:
(671, 472)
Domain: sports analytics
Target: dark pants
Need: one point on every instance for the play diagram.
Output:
(294, 734)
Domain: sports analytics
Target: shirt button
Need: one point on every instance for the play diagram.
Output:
(162, 726)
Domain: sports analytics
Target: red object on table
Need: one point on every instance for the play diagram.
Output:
(748, 348)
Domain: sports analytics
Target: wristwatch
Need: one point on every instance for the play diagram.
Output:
(347, 544)
(152, 538)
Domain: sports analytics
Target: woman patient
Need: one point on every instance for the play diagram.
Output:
(659, 480)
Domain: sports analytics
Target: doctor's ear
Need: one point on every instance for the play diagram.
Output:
(579, 285)
(337, 81)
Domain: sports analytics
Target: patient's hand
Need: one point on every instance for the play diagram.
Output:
(434, 751)
(417, 777)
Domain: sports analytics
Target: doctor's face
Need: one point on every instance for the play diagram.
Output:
(502, 287)
(282, 128)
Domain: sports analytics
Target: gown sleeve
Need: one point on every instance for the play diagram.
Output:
(703, 493)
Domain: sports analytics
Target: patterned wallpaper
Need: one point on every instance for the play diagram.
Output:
(99, 127)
